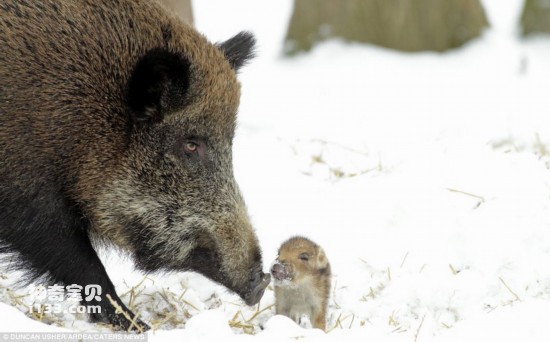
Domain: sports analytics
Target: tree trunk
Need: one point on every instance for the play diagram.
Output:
(180, 7)
(406, 25)
(535, 17)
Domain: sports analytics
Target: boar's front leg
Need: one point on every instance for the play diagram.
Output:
(50, 237)
(88, 270)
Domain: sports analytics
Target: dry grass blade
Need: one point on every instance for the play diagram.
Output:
(352, 320)
(236, 315)
(15, 298)
(340, 320)
(404, 259)
(126, 315)
(38, 314)
(541, 149)
(136, 286)
(180, 299)
(334, 295)
(418, 330)
(235, 322)
(337, 323)
(455, 272)
(182, 294)
(156, 325)
(509, 289)
(480, 198)
(392, 321)
(132, 299)
(259, 312)
(165, 297)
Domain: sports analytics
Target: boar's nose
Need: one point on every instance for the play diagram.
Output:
(278, 271)
(258, 284)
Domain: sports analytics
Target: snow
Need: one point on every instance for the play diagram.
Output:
(425, 177)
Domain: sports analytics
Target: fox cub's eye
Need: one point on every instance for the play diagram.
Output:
(304, 257)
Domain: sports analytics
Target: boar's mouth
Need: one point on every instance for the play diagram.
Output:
(206, 262)
(257, 290)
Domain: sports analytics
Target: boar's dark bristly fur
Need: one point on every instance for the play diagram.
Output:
(116, 126)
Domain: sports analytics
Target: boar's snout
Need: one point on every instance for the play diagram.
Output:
(258, 283)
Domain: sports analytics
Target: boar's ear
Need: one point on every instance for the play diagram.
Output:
(239, 49)
(158, 85)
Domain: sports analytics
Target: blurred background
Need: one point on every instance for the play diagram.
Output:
(413, 25)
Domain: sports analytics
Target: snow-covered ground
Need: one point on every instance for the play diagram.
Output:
(425, 177)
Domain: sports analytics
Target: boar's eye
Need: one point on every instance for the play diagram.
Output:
(190, 147)
(304, 257)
